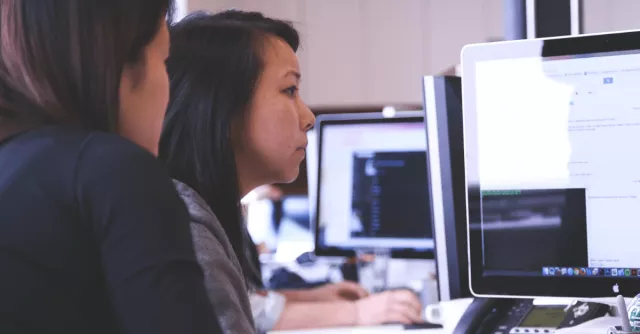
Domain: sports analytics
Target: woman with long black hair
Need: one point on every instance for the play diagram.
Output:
(235, 121)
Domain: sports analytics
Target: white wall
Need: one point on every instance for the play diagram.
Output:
(610, 15)
(373, 52)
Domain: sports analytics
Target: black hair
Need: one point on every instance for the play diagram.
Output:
(61, 61)
(214, 65)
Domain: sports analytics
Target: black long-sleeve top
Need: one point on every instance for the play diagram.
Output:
(94, 239)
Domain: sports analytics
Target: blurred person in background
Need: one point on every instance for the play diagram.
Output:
(235, 122)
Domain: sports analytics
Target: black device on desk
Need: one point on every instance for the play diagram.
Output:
(520, 316)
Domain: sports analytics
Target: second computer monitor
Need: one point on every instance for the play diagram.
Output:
(552, 161)
(372, 186)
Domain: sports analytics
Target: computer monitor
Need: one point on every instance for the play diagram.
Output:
(445, 161)
(282, 225)
(290, 208)
(372, 185)
(296, 209)
(311, 161)
(553, 165)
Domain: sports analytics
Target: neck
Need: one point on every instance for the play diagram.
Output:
(245, 189)
(249, 178)
(247, 184)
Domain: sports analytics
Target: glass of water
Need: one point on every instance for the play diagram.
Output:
(373, 264)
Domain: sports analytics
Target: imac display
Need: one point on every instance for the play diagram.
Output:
(553, 165)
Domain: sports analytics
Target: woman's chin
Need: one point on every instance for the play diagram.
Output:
(291, 175)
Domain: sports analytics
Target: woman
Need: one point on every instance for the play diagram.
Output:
(93, 236)
(235, 121)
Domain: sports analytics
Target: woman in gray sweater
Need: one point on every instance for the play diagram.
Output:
(235, 121)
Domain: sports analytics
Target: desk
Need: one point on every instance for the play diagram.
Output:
(452, 313)
(595, 326)
(390, 329)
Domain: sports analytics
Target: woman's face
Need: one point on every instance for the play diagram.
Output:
(273, 138)
(144, 93)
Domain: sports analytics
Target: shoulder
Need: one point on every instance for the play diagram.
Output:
(55, 143)
(198, 208)
(60, 138)
(66, 153)
(114, 161)
(82, 147)
(114, 173)
(110, 163)
(199, 211)
(205, 225)
(112, 149)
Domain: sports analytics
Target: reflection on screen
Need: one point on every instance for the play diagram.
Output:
(558, 163)
(374, 186)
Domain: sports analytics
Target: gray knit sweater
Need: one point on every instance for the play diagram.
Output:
(223, 276)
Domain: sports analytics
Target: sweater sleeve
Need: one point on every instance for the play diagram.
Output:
(225, 285)
(142, 229)
(267, 308)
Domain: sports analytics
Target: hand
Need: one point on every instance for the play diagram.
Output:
(262, 248)
(339, 291)
(397, 306)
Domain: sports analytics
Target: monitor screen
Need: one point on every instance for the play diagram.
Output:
(553, 167)
(311, 160)
(373, 186)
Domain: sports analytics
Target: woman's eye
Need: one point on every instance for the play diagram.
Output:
(291, 91)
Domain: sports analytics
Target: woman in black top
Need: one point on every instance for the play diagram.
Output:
(93, 237)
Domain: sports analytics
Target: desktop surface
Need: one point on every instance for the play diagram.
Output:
(372, 187)
(551, 132)
(386, 329)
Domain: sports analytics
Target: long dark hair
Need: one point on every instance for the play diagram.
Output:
(61, 61)
(214, 65)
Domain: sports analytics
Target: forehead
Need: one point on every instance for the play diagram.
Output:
(279, 56)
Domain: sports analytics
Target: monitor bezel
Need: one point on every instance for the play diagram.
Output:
(539, 286)
(359, 118)
(442, 99)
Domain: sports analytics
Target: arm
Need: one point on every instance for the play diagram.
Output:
(329, 292)
(225, 285)
(272, 311)
(302, 295)
(301, 315)
(399, 306)
(142, 230)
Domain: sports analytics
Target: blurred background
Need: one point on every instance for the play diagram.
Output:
(363, 55)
